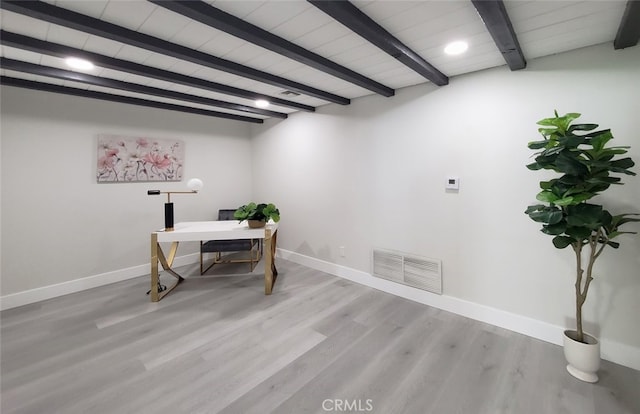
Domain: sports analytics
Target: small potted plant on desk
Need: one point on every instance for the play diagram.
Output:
(257, 215)
(584, 162)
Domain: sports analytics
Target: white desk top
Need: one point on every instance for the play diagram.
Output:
(213, 230)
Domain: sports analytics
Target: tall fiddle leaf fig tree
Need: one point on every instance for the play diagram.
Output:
(580, 155)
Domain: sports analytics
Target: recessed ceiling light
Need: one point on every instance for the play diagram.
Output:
(262, 103)
(456, 48)
(78, 63)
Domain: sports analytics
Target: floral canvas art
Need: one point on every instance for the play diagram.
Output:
(135, 159)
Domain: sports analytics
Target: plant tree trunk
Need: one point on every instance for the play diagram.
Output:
(579, 297)
(581, 291)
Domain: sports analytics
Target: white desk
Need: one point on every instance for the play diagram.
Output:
(209, 230)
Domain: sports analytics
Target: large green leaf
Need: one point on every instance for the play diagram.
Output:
(622, 166)
(617, 233)
(572, 141)
(570, 165)
(552, 151)
(550, 215)
(271, 212)
(620, 219)
(579, 233)
(602, 157)
(567, 119)
(599, 167)
(554, 229)
(546, 160)
(546, 196)
(585, 215)
(603, 180)
(548, 122)
(625, 163)
(560, 122)
(586, 209)
(579, 198)
(595, 134)
(560, 189)
(534, 145)
(563, 241)
(622, 171)
(565, 201)
(600, 138)
(606, 153)
(548, 132)
(535, 207)
(546, 185)
(570, 180)
(583, 127)
(534, 166)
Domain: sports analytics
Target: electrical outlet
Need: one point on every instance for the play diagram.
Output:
(341, 250)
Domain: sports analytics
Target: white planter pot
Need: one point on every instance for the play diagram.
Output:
(583, 359)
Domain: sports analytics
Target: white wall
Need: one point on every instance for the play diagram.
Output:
(372, 175)
(367, 175)
(59, 225)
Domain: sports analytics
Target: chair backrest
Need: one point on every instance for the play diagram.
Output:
(226, 214)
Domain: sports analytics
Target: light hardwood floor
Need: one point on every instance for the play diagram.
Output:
(319, 344)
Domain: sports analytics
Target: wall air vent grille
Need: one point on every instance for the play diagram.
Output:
(418, 272)
(387, 265)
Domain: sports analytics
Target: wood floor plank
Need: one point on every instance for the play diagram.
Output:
(145, 332)
(338, 380)
(380, 380)
(271, 393)
(474, 376)
(432, 369)
(217, 344)
(54, 392)
(230, 387)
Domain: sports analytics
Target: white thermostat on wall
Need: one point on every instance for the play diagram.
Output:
(453, 183)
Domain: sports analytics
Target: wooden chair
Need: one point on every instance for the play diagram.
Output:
(223, 250)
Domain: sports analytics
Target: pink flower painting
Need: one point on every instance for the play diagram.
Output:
(135, 159)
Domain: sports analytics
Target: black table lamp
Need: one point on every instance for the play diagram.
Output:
(193, 184)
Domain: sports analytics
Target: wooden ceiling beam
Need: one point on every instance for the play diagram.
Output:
(228, 23)
(495, 17)
(629, 29)
(355, 20)
(54, 49)
(68, 18)
(48, 87)
(51, 72)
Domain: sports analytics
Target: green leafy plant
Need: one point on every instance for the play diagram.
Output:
(260, 212)
(581, 155)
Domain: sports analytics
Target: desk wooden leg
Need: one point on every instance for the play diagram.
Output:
(270, 271)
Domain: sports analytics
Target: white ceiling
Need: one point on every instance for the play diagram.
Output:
(542, 27)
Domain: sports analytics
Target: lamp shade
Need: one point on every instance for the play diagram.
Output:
(195, 184)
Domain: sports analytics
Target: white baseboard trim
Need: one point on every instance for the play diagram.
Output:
(612, 351)
(47, 292)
